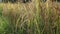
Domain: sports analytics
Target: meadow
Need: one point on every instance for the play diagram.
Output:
(30, 18)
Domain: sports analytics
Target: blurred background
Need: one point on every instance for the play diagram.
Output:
(29, 16)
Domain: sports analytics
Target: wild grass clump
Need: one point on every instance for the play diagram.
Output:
(30, 18)
(3, 22)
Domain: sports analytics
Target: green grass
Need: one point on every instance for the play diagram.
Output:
(33, 18)
(3, 23)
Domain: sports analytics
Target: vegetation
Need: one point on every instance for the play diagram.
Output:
(30, 18)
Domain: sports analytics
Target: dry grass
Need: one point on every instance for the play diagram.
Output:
(32, 18)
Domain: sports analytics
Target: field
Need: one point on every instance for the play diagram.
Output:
(30, 18)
